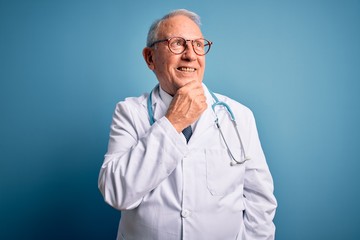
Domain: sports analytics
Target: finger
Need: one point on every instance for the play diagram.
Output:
(193, 90)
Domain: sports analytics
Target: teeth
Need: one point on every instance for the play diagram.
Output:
(186, 69)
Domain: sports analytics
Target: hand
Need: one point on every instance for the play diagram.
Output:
(188, 104)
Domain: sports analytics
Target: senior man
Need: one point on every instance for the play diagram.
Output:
(177, 165)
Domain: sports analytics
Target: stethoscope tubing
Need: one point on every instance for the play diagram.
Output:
(213, 106)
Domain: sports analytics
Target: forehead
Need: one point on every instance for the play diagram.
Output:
(180, 26)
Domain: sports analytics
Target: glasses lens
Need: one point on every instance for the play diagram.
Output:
(177, 45)
(201, 46)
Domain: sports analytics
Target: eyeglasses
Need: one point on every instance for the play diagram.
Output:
(178, 45)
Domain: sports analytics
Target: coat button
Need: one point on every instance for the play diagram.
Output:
(185, 213)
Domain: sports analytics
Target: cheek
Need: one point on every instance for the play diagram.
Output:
(162, 63)
(164, 68)
(202, 65)
(202, 62)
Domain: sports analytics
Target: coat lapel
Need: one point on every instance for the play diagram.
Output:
(206, 120)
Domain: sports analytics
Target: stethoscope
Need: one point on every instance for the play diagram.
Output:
(216, 103)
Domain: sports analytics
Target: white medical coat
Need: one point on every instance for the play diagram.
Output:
(167, 189)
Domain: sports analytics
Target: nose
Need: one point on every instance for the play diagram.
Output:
(189, 53)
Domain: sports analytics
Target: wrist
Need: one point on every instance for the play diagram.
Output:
(178, 125)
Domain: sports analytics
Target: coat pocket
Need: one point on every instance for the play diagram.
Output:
(222, 178)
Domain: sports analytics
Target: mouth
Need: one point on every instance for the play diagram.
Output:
(186, 69)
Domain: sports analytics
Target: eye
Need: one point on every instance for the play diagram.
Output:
(176, 43)
(199, 44)
(179, 42)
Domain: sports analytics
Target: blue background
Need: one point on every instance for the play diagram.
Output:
(65, 64)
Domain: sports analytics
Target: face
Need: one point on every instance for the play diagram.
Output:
(175, 70)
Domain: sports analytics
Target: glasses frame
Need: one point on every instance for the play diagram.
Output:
(209, 43)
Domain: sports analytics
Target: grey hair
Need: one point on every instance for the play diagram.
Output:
(153, 31)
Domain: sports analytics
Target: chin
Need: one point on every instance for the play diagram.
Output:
(183, 82)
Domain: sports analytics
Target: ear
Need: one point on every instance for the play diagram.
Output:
(148, 54)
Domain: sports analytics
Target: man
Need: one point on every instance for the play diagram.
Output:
(200, 184)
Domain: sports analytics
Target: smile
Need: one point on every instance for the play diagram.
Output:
(186, 69)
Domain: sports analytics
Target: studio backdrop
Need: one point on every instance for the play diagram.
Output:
(65, 64)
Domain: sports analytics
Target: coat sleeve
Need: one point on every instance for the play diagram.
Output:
(259, 200)
(137, 161)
